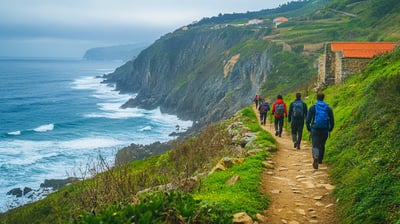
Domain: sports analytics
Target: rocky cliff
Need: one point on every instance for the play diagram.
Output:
(202, 74)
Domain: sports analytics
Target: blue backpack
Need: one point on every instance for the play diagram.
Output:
(264, 108)
(321, 119)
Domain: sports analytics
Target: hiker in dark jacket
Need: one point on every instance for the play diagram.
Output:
(263, 108)
(279, 111)
(297, 115)
(319, 122)
(256, 100)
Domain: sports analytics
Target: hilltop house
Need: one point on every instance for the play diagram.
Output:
(255, 21)
(279, 20)
(341, 59)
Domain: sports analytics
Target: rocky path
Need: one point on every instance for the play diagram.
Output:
(298, 193)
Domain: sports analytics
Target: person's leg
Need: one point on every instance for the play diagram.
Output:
(276, 121)
(264, 118)
(280, 126)
(294, 133)
(300, 127)
(324, 137)
(315, 139)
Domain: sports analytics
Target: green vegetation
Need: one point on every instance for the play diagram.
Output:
(160, 207)
(364, 149)
(245, 195)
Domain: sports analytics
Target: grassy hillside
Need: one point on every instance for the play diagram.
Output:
(364, 149)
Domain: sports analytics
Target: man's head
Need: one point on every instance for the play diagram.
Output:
(298, 95)
(320, 96)
(279, 96)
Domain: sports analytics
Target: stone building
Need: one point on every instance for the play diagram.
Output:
(342, 59)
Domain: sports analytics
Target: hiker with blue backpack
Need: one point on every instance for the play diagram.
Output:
(280, 112)
(319, 122)
(297, 115)
(263, 108)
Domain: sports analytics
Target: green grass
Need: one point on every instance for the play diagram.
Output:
(244, 195)
(363, 148)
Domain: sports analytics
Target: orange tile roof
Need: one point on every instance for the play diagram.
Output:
(363, 49)
(280, 19)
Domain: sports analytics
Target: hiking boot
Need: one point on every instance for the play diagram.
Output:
(315, 163)
(280, 135)
(298, 147)
(276, 133)
(295, 145)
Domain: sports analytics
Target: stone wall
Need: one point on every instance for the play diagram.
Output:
(352, 66)
(334, 68)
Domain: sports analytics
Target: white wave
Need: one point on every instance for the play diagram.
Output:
(87, 82)
(147, 128)
(14, 133)
(21, 152)
(44, 128)
(110, 107)
(90, 143)
(167, 119)
(114, 111)
(112, 101)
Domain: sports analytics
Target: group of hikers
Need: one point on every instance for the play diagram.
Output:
(318, 119)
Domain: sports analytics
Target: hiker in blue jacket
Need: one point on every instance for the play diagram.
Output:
(319, 122)
(297, 115)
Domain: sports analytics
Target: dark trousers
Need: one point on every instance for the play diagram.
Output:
(278, 123)
(318, 144)
(263, 118)
(297, 130)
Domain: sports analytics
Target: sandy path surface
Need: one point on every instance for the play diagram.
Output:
(298, 193)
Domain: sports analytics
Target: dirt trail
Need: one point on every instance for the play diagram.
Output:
(298, 193)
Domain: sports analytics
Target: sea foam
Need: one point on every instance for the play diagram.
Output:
(44, 128)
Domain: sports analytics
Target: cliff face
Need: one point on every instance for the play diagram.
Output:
(199, 74)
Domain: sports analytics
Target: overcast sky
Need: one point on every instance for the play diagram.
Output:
(67, 28)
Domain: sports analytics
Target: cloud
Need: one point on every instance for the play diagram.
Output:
(105, 22)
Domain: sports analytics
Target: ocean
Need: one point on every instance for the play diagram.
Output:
(56, 116)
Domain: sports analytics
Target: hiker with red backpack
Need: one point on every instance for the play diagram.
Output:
(319, 122)
(280, 112)
(297, 115)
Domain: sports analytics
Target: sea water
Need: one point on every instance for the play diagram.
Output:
(56, 115)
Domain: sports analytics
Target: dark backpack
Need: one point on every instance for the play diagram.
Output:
(264, 108)
(321, 119)
(297, 107)
(279, 109)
